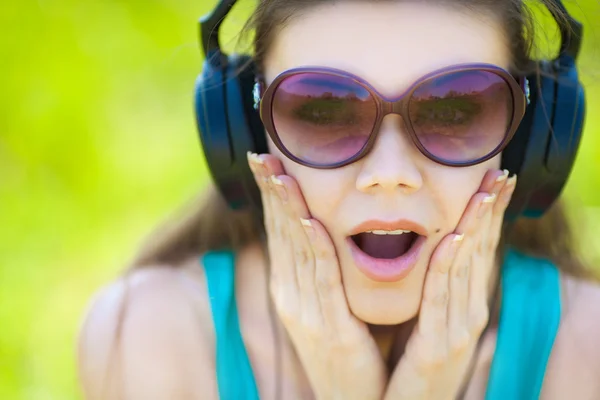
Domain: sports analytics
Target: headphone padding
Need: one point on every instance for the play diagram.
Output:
(525, 155)
(543, 151)
(242, 121)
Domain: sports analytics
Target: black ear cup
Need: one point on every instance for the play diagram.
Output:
(229, 127)
(245, 128)
(544, 148)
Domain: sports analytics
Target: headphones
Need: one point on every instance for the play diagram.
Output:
(542, 152)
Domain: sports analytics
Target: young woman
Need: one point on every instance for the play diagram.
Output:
(384, 250)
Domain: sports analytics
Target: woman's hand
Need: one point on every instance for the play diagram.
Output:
(337, 351)
(454, 309)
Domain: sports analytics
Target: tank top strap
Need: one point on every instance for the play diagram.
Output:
(235, 378)
(529, 319)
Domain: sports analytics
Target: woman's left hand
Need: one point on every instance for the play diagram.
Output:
(454, 308)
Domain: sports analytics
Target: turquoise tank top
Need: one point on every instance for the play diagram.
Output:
(529, 319)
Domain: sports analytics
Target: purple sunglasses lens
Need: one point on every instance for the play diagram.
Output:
(461, 116)
(323, 118)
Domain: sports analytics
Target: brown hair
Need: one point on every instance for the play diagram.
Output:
(209, 224)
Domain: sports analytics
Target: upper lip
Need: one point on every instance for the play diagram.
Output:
(404, 224)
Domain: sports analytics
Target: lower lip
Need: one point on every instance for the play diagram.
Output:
(387, 270)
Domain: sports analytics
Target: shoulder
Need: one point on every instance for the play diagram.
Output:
(149, 335)
(575, 361)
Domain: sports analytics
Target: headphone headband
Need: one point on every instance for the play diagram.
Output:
(210, 24)
(571, 33)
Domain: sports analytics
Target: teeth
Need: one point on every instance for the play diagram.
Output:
(396, 232)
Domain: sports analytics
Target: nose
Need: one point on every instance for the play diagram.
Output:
(392, 163)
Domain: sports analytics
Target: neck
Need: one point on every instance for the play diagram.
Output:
(392, 339)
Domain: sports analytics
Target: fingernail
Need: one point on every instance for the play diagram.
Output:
(255, 158)
(489, 199)
(305, 222)
(503, 176)
(458, 238)
(276, 180)
(279, 187)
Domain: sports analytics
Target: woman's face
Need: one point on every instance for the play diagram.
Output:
(390, 45)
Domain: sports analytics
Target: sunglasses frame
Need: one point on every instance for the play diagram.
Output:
(398, 105)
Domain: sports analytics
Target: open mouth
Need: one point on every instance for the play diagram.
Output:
(385, 244)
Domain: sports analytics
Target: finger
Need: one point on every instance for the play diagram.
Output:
(258, 168)
(493, 181)
(475, 220)
(459, 335)
(498, 212)
(460, 273)
(476, 209)
(500, 178)
(272, 164)
(433, 315)
(283, 284)
(296, 210)
(264, 166)
(480, 279)
(328, 279)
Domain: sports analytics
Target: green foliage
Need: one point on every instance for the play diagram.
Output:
(98, 143)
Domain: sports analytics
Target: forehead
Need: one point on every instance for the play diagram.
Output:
(390, 44)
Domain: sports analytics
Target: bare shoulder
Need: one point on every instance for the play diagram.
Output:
(149, 335)
(574, 366)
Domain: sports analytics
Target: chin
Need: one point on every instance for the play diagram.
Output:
(389, 306)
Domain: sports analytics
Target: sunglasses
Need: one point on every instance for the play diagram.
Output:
(457, 116)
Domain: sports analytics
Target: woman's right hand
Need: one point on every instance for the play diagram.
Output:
(337, 351)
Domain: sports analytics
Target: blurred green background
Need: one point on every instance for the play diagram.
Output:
(98, 144)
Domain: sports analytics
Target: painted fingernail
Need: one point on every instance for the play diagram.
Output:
(490, 198)
(305, 222)
(276, 180)
(257, 165)
(256, 159)
(458, 238)
(279, 188)
(502, 177)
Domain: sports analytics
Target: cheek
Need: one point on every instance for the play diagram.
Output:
(453, 188)
(323, 190)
